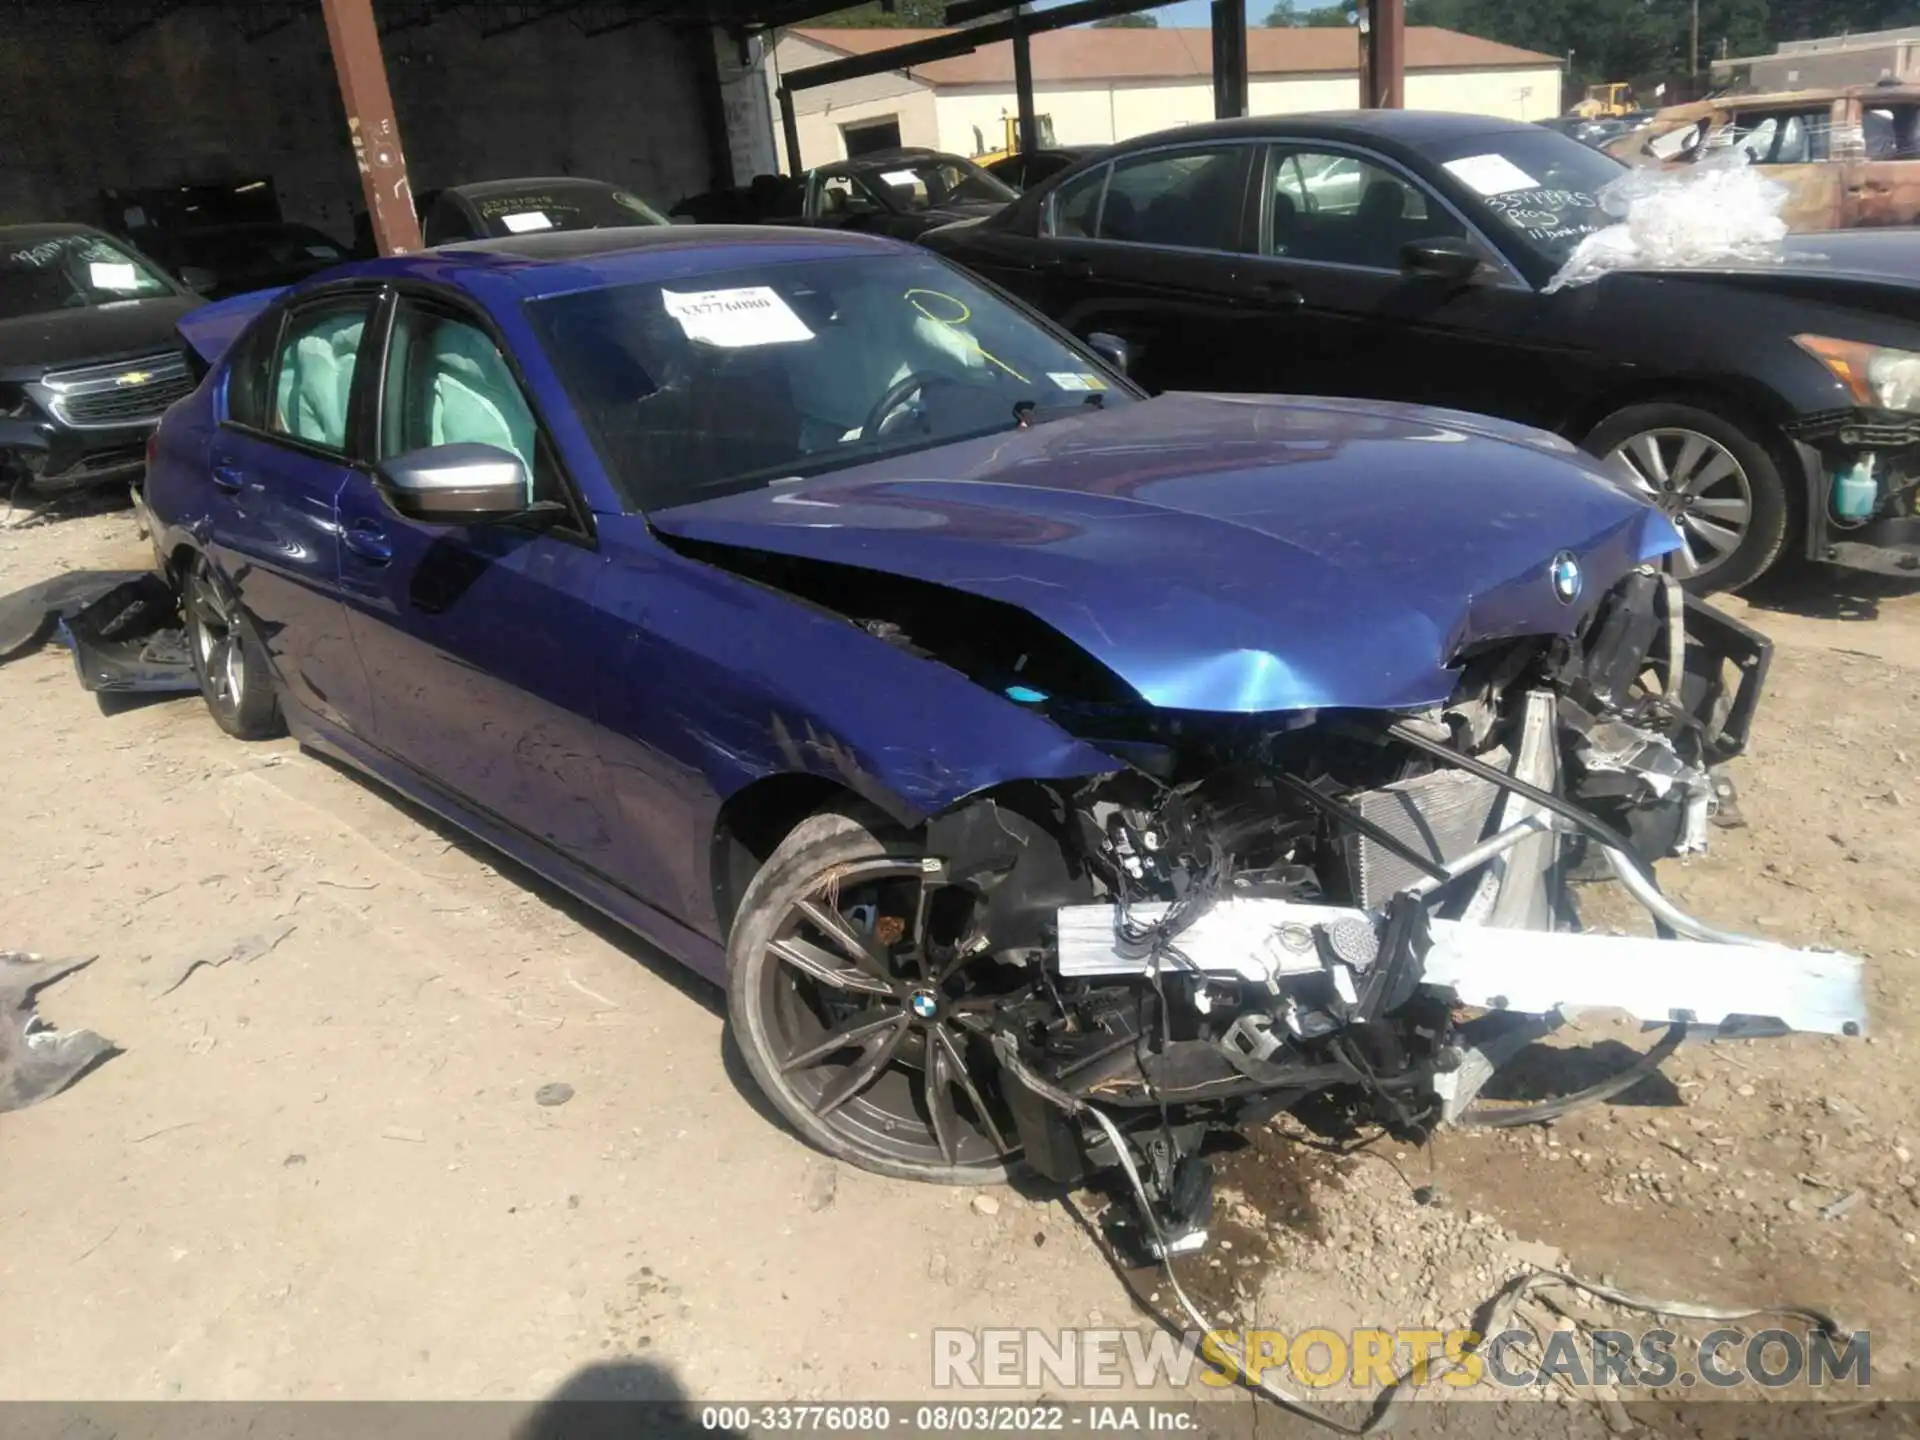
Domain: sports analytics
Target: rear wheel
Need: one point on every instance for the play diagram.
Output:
(228, 663)
(858, 1002)
(1721, 488)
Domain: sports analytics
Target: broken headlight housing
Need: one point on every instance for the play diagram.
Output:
(1878, 376)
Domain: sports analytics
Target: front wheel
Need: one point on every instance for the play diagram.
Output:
(226, 660)
(1721, 488)
(858, 996)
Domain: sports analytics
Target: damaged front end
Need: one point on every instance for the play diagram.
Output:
(1356, 915)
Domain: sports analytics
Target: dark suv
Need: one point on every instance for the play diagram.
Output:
(88, 356)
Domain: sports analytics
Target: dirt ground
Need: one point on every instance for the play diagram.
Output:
(319, 1170)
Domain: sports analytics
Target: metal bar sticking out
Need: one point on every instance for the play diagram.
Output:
(371, 126)
(1480, 854)
(1229, 59)
(1385, 67)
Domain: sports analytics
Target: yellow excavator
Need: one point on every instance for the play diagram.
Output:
(1613, 98)
(1010, 137)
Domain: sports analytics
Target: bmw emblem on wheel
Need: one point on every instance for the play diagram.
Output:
(1566, 577)
(924, 1005)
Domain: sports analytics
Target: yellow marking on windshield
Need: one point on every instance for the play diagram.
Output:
(955, 321)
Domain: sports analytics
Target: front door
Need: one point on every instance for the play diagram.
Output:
(480, 641)
(278, 463)
(1347, 319)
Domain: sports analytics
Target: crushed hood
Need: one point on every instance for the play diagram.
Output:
(1230, 553)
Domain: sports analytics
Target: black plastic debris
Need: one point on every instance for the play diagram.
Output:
(37, 1061)
(130, 641)
(30, 617)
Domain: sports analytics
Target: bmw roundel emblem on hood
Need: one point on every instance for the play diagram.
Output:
(1566, 577)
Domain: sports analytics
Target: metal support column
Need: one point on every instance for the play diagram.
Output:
(1383, 68)
(1229, 59)
(790, 128)
(371, 127)
(1023, 88)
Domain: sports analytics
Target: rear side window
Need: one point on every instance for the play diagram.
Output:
(1076, 208)
(1892, 132)
(249, 371)
(1189, 198)
(313, 374)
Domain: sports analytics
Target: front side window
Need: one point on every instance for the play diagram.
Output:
(1335, 208)
(923, 184)
(313, 376)
(72, 272)
(447, 383)
(1779, 137)
(730, 382)
(1188, 198)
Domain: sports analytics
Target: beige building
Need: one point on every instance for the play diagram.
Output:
(1097, 86)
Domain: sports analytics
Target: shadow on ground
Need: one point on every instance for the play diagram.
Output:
(616, 1400)
(1827, 592)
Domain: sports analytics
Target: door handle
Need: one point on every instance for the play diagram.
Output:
(367, 540)
(1278, 292)
(227, 476)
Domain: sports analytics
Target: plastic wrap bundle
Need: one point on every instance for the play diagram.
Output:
(1718, 212)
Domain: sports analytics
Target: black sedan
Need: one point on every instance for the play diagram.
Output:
(223, 260)
(901, 193)
(1023, 169)
(496, 209)
(88, 357)
(1771, 410)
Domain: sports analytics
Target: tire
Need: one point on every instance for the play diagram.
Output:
(1710, 476)
(227, 659)
(780, 1012)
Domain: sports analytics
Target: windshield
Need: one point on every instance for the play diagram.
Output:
(728, 382)
(562, 207)
(923, 184)
(1538, 186)
(66, 272)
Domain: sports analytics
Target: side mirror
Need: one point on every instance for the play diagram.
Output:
(196, 277)
(1110, 348)
(455, 484)
(1441, 258)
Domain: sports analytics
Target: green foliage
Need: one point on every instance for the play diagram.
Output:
(1136, 21)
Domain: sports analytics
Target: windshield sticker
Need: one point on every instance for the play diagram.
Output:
(735, 319)
(525, 221)
(1490, 174)
(901, 177)
(108, 275)
(1071, 380)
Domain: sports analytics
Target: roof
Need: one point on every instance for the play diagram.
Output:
(487, 189)
(1698, 109)
(1413, 129)
(34, 234)
(557, 262)
(1121, 53)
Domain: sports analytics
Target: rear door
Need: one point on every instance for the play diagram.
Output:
(481, 642)
(1882, 182)
(278, 463)
(1792, 145)
(1344, 317)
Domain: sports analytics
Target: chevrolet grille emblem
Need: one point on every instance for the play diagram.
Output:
(134, 377)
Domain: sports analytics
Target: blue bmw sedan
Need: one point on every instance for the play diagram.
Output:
(1051, 774)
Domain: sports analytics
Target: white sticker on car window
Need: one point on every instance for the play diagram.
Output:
(735, 319)
(109, 275)
(525, 221)
(1490, 174)
(1076, 380)
(901, 177)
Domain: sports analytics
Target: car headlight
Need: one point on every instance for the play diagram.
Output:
(1875, 375)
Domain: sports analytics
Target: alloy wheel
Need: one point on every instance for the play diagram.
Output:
(216, 638)
(876, 1018)
(1698, 483)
